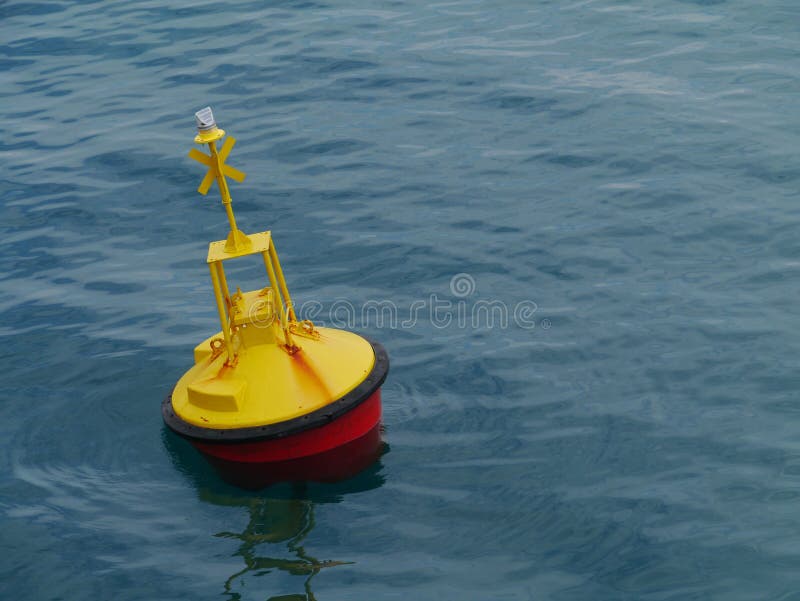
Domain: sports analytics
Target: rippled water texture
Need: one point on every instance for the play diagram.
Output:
(631, 167)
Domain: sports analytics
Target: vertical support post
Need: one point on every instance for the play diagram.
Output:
(223, 319)
(281, 281)
(273, 282)
(223, 186)
(223, 284)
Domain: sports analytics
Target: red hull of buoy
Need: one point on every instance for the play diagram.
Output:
(334, 451)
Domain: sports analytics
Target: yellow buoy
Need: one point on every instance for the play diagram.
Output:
(269, 390)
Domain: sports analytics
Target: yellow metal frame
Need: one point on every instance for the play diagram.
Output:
(238, 244)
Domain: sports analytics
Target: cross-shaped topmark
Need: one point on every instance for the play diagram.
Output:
(212, 165)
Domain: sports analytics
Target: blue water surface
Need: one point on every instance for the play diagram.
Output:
(624, 171)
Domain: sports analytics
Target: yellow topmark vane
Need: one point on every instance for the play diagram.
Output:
(266, 379)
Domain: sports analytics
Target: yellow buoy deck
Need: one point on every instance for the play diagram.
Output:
(268, 385)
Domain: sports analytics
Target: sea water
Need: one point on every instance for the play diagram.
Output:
(575, 226)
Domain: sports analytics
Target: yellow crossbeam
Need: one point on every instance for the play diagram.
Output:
(209, 162)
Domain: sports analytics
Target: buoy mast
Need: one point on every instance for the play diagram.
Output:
(237, 244)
